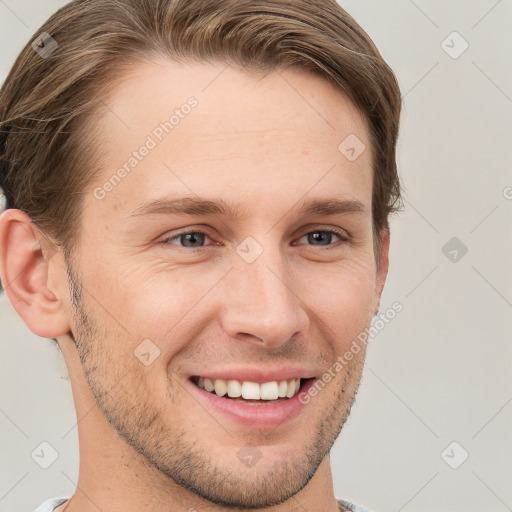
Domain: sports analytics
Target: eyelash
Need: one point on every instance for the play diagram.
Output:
(340, 233)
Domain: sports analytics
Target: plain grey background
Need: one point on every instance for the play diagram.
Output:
(437, 385)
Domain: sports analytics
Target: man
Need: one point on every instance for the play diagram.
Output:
(198, 195)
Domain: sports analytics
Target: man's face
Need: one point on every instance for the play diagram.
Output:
(260, 295)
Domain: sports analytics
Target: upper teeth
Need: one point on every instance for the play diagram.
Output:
(251, 390)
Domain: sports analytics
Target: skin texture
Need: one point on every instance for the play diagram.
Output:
(267, 143)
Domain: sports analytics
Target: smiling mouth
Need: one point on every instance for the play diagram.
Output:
(251, 392)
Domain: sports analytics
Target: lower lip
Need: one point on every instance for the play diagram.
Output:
(271, 415)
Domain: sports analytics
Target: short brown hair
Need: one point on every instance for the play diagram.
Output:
(47, 103)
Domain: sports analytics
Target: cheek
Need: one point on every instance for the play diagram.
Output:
(167, 306)
(342, 300)
(143, 298)
(162, 302)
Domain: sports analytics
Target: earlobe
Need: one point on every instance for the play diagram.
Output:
(24, 271)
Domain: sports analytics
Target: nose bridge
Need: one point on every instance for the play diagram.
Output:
(261, 302)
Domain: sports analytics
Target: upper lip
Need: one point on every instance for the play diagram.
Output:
(257, 374)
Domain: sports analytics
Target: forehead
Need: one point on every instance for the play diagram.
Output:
(195, 127)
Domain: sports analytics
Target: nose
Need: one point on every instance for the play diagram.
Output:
(262, 302)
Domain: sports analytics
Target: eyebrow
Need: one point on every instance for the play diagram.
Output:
(190, 205)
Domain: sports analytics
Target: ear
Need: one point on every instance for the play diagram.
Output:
(25, 271)
(382, 265)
